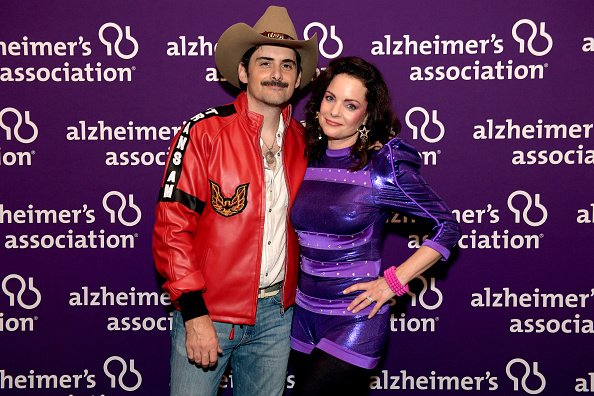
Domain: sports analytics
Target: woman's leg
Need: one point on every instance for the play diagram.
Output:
(324, 374)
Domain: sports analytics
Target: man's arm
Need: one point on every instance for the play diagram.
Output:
(181, 202)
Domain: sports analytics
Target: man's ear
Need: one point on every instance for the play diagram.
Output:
(298, 83)
(242, 73)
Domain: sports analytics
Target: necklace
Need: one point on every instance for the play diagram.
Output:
(269, 155)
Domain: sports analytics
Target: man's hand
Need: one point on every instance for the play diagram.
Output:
(202, 344)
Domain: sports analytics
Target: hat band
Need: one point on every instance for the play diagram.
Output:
(276, 35)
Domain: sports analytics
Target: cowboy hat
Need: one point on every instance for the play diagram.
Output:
(273, 28)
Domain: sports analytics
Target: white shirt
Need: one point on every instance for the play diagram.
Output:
(274, 248)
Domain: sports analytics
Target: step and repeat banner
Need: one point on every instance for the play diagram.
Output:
(496, 96)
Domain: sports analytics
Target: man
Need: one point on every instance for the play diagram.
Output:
(222, 237)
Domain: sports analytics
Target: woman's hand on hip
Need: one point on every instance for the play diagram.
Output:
(375, 292)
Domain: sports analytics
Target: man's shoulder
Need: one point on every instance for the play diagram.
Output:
(210, 121)
(219, 111)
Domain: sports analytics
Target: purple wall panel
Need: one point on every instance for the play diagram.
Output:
(495, 95)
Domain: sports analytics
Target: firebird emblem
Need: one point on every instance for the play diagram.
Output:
(228, 206)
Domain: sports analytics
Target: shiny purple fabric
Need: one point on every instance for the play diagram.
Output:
(398, 185)
(354, 339)
(340, 269)
(327, 241)
(360, 178)
(339, 216)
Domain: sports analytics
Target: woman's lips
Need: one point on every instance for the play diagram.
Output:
(332, 123)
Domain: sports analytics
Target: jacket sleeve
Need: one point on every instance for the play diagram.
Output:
(181, 202)
(399, 186)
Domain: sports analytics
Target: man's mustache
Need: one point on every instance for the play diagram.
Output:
(274, 83)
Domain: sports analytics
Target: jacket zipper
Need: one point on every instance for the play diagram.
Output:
(288, 185)
(262, 197)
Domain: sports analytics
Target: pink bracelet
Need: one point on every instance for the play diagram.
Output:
(394, 283)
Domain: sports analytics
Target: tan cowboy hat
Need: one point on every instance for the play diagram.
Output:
(274, 27)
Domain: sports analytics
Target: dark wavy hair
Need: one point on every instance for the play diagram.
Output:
(381, 121)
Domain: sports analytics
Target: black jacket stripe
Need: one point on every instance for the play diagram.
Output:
(169, 191)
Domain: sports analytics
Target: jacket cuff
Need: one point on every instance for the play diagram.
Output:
(191, 305)
(445, 252)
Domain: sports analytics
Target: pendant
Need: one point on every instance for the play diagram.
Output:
(269, 157)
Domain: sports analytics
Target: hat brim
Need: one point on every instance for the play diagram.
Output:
(237, 39)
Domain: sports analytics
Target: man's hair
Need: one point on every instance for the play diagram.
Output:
(245, 61)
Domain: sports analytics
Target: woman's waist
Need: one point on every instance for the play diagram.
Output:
(330, 287)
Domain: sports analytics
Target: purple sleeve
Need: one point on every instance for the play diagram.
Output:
(399, 186)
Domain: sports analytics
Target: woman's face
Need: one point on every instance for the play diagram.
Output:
(343, 110)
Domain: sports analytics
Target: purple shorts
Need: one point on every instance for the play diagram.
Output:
(351, 338)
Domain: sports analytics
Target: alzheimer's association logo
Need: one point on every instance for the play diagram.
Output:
(522, 375)
(322, 42)
(117, 378)
(20, 291)
(123, 203)
(114, 45)
(437, 128)
(18, 126)
(521, 208)
(519, 32)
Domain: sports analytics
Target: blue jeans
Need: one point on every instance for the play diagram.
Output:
(258, 353)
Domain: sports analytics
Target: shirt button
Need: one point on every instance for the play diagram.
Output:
(269, 210)
(269, 242)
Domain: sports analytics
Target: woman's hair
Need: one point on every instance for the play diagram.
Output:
(381, 121)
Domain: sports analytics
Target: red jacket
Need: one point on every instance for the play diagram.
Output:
(210, 215)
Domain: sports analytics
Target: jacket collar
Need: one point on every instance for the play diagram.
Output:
(255, 119)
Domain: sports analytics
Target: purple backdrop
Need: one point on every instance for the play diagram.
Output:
(497, 96)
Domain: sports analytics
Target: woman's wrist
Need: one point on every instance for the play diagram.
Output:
(394, 283)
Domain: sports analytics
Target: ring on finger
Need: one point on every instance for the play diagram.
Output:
(371, 300)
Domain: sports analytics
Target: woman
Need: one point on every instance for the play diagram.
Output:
(358, 174)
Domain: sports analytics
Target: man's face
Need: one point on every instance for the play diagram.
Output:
(272, 76)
